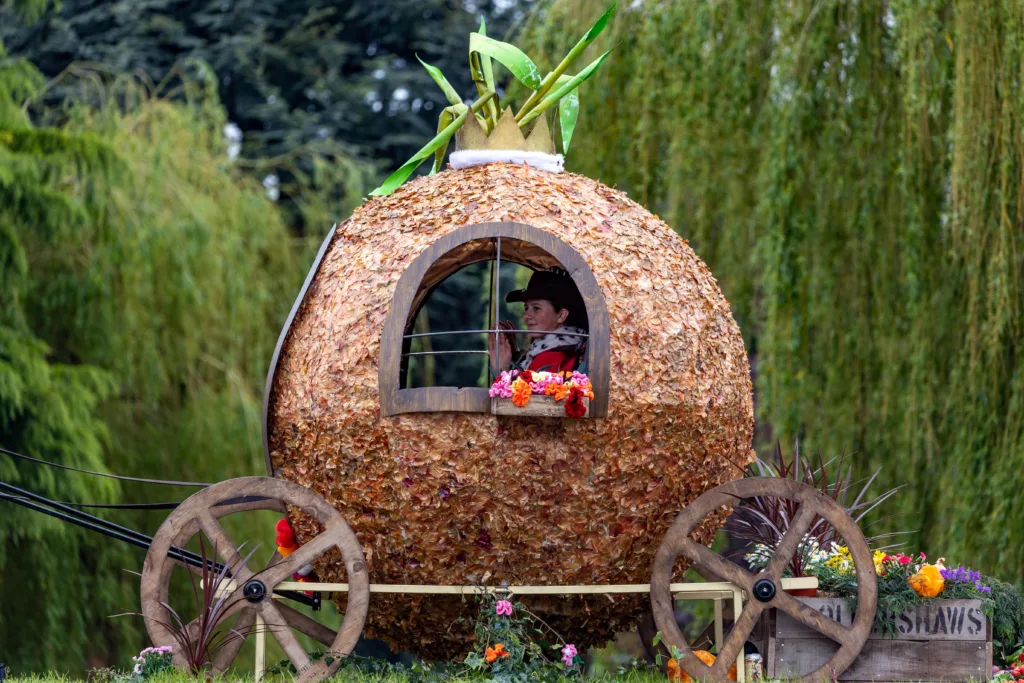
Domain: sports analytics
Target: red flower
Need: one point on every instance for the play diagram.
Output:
(526, 375)
(904, 559)
(574, 406)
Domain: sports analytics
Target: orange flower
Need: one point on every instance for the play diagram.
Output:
(560, 391)
(675, 672)
(520, 392)
(494, 652)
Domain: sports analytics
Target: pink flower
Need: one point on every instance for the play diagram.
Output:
(503, 608)
(568, 653)
(904, 559)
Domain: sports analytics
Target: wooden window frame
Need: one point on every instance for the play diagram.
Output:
(395, 400)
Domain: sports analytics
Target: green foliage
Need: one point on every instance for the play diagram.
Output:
(144, 284)
(1007, 618)
(851, 173)
(48, 404)
(340, 82)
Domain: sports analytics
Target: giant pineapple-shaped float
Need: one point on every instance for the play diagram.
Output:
(404, 489)
(438, 488)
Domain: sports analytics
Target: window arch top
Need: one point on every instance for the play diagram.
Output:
(519, 243)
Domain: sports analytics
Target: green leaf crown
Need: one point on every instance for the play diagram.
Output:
(504, 130)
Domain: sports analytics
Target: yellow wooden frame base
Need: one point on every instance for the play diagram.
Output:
(718, 591)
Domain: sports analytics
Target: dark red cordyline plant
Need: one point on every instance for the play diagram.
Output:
(765, 519)
(200, 647)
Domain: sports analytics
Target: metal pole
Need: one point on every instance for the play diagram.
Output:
(496, 299)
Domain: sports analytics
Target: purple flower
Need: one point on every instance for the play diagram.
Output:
(568, 653)
(503, 608)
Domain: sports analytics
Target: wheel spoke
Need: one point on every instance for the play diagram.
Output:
(192, 630)
(278, 627)
(811, 617)
(741, 630)
(715, 563)
(234, 639)
(790, 542)
(307, 626)
(310, 551)
(224, 547)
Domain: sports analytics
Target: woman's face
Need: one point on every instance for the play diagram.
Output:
(540, 316)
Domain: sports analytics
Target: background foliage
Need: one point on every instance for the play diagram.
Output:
(291, 74)
(852, 173)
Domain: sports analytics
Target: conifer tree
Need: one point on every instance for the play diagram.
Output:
(290, 73)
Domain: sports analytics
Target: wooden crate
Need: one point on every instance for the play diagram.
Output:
(944, 640)
(537, 406)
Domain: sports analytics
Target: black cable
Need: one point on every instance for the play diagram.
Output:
(125, 506)
(94, 522)
(111, 530)
(119, 477)
(99, 524)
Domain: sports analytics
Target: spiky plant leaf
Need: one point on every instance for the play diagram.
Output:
(395, 180)
(555, 77)
(563, 89)
(447, 117)
(446, 87)
(568, 113)
(509, 56)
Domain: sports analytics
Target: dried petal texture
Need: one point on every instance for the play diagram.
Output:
(452, 498)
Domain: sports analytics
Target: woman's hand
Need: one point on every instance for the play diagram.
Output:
(503, 360)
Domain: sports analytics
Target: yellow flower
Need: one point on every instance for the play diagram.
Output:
(877, 558)
(840, 560)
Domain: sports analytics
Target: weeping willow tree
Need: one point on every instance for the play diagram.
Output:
(143, 282)
(853, 173)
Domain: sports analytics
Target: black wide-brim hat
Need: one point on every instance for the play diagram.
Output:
(556, 287)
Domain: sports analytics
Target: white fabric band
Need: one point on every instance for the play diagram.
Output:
(478, 157)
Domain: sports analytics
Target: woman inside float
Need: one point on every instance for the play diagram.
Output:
(556, 319)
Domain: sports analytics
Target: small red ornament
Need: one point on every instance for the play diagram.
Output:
(285, 536)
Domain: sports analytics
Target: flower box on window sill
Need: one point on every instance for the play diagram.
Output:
(538, 406)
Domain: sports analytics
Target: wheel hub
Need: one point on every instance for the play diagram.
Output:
(254, 591)
(764, 590)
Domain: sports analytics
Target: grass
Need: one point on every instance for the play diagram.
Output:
(346, 675)
(351, 676)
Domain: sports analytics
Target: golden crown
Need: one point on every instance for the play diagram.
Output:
(506, 135)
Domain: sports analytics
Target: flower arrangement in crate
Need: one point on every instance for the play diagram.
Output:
(544, 390)
(903, 580)
(762, 521)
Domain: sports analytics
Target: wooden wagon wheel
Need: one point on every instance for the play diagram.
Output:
(253, 590)
(764, 589)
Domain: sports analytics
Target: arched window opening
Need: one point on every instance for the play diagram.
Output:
(440, 350)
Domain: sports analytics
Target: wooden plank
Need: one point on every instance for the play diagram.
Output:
(268, 385)
(888, 660)
(937, 620)
(537, 406)
(682, 591)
